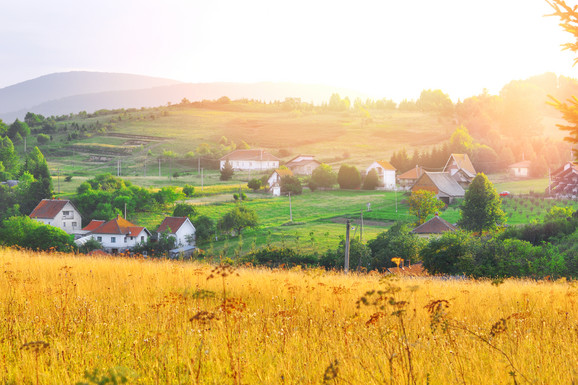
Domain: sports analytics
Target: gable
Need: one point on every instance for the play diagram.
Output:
(49, 208)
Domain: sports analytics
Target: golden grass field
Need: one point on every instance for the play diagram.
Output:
(171, 322)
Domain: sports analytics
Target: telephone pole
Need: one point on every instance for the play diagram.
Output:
(347, 228)
(361, 228)
(290, 208)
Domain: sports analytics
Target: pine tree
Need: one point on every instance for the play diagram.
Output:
(482, 207)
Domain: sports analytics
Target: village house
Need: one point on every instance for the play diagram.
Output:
(434, 226)
(274, 180)
(520, 169)
(303, 164)
(245, 160)
(442, 184)
(461, 169)
(564, 181)
(385, 174)
(408, 178)
(116, 236)
(59, 213)
(183, 230)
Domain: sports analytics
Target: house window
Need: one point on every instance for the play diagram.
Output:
(112, 239)
(66, 213)
(142, 238)
(125, 239)
(63, 224)
(74, 224)
(99, 239)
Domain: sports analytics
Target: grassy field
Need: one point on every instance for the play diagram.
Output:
(69, 319)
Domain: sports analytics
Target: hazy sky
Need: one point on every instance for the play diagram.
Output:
(384, 48)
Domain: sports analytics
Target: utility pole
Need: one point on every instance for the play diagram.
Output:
(159, 167)
(58, 173)
(145, 166)
(199, 166)
(201, 179)
(290, 208)
(361, 228)
(347, 228)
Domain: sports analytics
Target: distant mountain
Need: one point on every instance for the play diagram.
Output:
(72, 92)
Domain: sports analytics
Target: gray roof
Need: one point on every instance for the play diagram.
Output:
(436, 225)
(446, 184)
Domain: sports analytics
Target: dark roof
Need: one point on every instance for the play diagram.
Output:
(172, 223)
(249, 155)
(49, 208)
(436, 225)
(119, 226)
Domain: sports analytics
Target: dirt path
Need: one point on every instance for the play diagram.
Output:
(366, 222)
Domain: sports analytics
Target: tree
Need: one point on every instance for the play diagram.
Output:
(323, 176)
(8, 156)
(185, 210)
(42, 138)
(227, 171)
(18, 129)
(348, 177)
(371, 180)
(188, 190)
(423, 203)
(291, 184)
(36, 165)
(569, 22)
(204, 228)
(397, 242)
(27, 232)
(255, 184)
(482, 207)
(238, 219)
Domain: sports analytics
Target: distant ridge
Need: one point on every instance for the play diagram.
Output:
(72, 92)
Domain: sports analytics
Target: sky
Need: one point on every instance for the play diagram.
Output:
(383, 48)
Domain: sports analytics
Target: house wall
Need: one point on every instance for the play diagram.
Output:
(181, 235)
(304, 169)
(425, 183)
(519, 171)
(71, 222)
(240, 165)
(274, 178)
(120, 242)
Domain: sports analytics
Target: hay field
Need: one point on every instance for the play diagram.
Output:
(68, 319)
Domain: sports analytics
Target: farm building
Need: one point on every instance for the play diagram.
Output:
(274, 180)
(442, 184)
(520, 169)
(303, 164)
(385, 174)
(408, 178)
(183, 231)
(434, 226)
(59, 213)
(565, 181)
(461, 169)
(245, 160)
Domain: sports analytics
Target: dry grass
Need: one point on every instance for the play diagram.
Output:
(162, 322)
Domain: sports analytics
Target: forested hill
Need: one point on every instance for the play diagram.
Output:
(72, 92)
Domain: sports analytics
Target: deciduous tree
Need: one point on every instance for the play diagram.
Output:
(423, 203)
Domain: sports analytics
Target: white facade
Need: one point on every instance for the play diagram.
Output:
(58, 213)
(119, 243)
(183, 234)
(386, 175)
(245, 165)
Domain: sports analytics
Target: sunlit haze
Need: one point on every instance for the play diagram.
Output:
(382, 48)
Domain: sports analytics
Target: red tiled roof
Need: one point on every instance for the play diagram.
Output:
(48, 208)
(118, 226)
(522, 164)
(172, 223)
(94, 224)
(413, 173)
(413, 270)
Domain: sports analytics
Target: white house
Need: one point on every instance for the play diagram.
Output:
(303, 164)
(385, 173)
(59, 213)
(520, 169)
(179, 227)
(244, 160)
(274, 180)
(116, 236)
